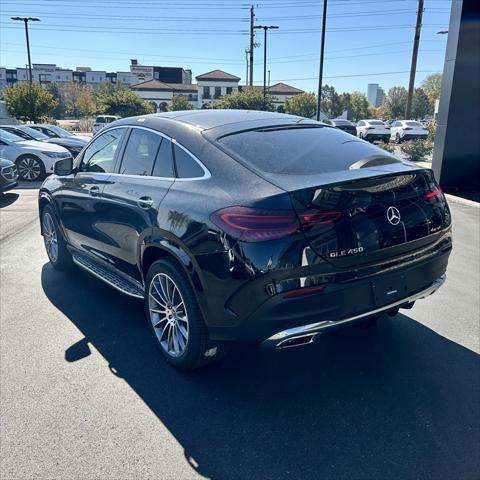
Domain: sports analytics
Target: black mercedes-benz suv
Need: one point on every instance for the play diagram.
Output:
(246, 226)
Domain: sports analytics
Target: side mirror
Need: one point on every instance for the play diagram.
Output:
(63, 167)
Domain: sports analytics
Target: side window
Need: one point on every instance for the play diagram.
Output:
(140, 152)
(360, 123)
(47, 132)
(99, 156)
(187, 167)
(164, 162)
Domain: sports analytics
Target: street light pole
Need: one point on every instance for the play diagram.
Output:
(26, 20)
(322, 49)
(265, 29)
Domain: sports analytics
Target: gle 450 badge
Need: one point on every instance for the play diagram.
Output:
(345, 253)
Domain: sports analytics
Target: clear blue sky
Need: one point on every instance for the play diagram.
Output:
(363, 37)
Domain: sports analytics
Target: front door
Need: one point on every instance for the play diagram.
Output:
(80, 199)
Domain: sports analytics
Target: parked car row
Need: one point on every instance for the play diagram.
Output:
(35, 148)
(378, 130)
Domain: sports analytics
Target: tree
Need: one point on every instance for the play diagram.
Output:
(396, 102)
(359, 105)
(420, 104)
(29, 102)
(59, 110)
(179, 102)
(78, 99)
(303, 105)
(119, 100)
(432, 86)
(331, 105)
(248, 99)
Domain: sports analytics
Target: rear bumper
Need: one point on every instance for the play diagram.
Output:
(284, 338)
(377, 136)
(345, 296)
(414, 136)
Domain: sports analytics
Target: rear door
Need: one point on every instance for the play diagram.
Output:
(142, 179)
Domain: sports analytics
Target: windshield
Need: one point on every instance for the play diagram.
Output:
(10, 137)
(34, 133)
(60, 131)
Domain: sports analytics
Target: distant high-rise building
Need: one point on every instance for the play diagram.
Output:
(375, 94)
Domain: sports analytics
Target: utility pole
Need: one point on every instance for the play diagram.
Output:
(252, 46)
(322, 49)
(26, 20)
(269, 79)
(413, 68)
(265, 30)
(247, 51)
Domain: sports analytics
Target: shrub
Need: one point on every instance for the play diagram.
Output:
(432, 127)
(387, 147)
(416, 150)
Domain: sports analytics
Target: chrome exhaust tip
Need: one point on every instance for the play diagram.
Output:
(297, 341)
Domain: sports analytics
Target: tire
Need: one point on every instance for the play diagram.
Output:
(55, 245)
(397, 138)
(176, 320)
(30, 168)
(360, 135)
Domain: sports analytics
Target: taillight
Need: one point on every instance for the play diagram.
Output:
(311, 218)
(435, 195)
(257, 225)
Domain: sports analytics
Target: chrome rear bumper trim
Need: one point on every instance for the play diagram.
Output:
(280, 338)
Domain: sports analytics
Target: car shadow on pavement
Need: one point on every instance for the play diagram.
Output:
(8, 199)
(396, 402)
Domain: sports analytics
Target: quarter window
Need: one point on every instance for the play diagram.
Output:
(187, 167)
(99, 156)
(164, 162)
(140, 152)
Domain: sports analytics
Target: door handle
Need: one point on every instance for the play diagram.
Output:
(94, 191)
(145, 202)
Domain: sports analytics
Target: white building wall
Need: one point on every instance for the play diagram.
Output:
(3, 78)
(212, 84)
(124, 77)
(95, 78)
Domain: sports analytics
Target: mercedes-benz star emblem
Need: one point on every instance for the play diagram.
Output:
(393, 215)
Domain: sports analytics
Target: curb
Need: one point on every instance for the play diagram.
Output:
(462, 201)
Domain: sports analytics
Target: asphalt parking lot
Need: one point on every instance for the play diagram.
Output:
(85, 395)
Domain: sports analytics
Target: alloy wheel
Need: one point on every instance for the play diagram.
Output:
(50, 237)
(29, 168)
(168, 314)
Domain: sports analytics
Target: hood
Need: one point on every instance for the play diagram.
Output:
(82, 138)
(40, 146)
(5, 163)
(68, 142)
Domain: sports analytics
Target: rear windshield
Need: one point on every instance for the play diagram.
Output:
(296, 150)
(413, 124)
(375, 122)
(105, 119)
(341, 122)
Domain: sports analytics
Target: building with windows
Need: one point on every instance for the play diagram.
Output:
(375, 94)
(214, 85)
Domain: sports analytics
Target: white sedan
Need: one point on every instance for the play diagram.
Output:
(372, 130)
(33, 159)
(407, 130)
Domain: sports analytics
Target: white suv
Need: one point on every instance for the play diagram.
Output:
(33, 159)
(102, 121)
(407, 130)
(372, 130)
